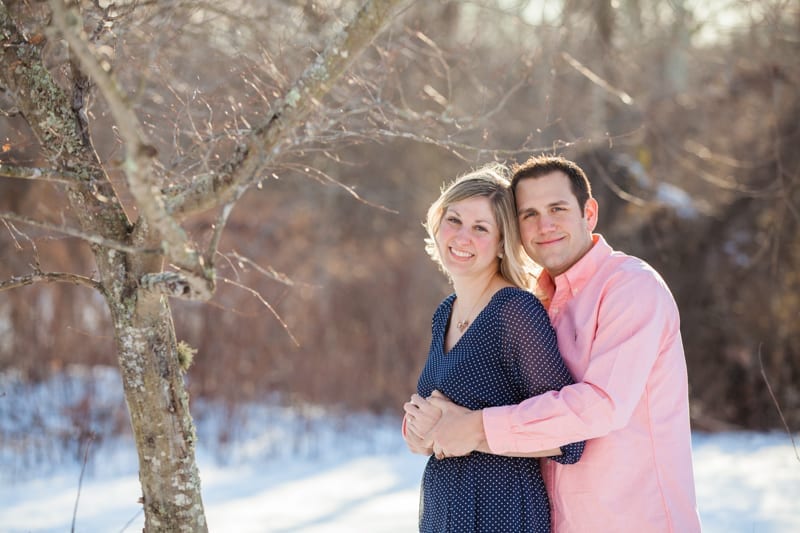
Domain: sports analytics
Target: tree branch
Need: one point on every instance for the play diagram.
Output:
(269, 272)
(267, 305)
(94, 239)
(60, 277)
(138, 163)
(263, 145)
(219, 226)
(52, 120)
(623, 97)
(34, 173)
(775, 401)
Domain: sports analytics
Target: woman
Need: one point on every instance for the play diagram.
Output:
(492, 344)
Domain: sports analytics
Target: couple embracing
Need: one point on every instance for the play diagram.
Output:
(555, 394)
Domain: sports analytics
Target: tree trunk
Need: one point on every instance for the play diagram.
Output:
(159, 409)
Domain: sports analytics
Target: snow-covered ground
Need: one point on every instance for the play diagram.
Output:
(287, 471)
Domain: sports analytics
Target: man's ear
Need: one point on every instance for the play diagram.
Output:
(590, 213)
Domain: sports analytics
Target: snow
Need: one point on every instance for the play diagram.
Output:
(289, 470)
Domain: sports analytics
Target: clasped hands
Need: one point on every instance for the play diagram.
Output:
(435, 425)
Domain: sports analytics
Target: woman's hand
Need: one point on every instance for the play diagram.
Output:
(416, 443)
(458, 432)
(421, 414)
(420, 418)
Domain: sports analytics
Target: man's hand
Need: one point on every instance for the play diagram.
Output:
(459, 431)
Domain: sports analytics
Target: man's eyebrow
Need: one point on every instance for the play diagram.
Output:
(558, 202)
(551, 204)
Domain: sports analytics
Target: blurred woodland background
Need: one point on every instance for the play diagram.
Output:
(686, 116)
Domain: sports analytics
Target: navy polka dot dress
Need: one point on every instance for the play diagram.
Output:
(508, 354)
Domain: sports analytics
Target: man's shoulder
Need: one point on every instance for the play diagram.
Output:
(622, 261)
(624, 270)
(604, 260)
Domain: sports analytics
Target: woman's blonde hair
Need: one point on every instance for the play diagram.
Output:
(491, 182)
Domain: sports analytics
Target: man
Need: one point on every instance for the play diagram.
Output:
(618, 331)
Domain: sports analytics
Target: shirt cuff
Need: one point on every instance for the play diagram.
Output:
(496, 427)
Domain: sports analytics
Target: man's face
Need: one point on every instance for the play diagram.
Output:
(554, 231)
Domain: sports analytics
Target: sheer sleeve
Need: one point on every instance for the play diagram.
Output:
(531, 355)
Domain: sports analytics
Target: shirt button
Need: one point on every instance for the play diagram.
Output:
(555, 311)
(574, 292)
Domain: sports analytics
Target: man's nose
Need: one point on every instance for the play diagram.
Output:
(546, 223)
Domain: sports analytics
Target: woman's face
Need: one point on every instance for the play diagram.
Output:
(469, 238)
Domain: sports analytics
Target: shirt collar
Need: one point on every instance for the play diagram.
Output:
(578, 275)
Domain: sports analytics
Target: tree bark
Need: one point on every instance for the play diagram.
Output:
(159, 408)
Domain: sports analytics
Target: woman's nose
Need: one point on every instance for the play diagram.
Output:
(463, 233)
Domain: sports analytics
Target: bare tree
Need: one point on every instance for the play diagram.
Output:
(57, 58)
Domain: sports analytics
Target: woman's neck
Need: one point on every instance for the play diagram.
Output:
(470, 290)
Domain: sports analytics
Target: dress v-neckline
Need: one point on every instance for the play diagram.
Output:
(478, 317)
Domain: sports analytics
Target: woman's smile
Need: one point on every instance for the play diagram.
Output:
(460, 253)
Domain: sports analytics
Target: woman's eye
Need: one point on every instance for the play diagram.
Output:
(453, 220)
(481, 228)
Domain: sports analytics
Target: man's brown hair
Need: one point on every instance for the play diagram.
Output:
(541, 165)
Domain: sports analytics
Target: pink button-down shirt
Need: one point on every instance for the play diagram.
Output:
(619, 333)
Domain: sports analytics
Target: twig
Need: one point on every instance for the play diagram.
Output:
(624, 97)
(32, 173)
(267, 305)
(234, 268)
(62, 277)
(94, 239)
(219, 226)
(322, 177)
(777, 405)
(80, 480)
(11, 230)
(270, 272)
(134, 517)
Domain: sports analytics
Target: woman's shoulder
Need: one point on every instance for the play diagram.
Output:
(443, 310)
(512, 294)
(514, 300)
